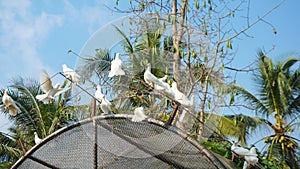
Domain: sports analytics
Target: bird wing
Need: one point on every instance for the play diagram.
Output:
(13, 109)
(241, 151)
(60, 91)
(37, 140)
(149, 77)
(105, 106)
(8, 101)
(45, 81)
(99, 96)
(41, 97)
(67, 70)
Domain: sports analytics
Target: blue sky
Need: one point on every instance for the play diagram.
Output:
(36, 35)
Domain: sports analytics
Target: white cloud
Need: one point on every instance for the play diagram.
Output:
(21, 36)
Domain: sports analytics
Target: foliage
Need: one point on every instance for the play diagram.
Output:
(278, 96)
(34, 117)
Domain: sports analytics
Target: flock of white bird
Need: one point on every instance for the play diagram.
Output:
(158, 84)
(50, 91)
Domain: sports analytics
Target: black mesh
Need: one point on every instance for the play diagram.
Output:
(118, 143)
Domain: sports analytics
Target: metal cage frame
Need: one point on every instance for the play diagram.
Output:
(107, 123)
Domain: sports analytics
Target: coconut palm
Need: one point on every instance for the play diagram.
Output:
(34, 117)
(279, 97)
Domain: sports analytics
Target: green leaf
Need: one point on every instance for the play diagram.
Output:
(208, 104)
(228, 44)
(197, 5)
(231, 100)
(194, 54)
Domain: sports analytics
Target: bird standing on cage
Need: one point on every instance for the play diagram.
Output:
(105, 104)
(139, 115)
(49, 90)
(10, 104)
(37, 140)
(116, 67)
(251, 158)
(98, 94)
(71, 74)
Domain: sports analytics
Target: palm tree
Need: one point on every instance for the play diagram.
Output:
(279, 97)
(34, 117)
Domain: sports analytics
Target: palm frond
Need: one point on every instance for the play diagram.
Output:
(249, 98)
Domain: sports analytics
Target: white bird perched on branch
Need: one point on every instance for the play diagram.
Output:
(149, 78)
(240, 151)
(10, 104)
(251, 158)
(180, 97)
(71, 74)
(139, 115)
(49, 91)
(37, 140)
(116, 67)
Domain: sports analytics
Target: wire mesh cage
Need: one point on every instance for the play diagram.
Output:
(114, 141)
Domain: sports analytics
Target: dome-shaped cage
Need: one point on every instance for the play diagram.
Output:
(114, 141)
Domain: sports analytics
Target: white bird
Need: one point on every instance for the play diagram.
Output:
(105, 105)
(180, 97)
(149, 77)
(251, 158)
(158, 84)
(10, 104)
(98, 94)
(162, 86)
(71, 74)
(49, 91)
(240, 151)
(37, 140)
(116, 67)
(139, 115)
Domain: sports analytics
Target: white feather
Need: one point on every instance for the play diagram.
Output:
(10, 104)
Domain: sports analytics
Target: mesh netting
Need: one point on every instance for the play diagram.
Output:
(115, 141)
